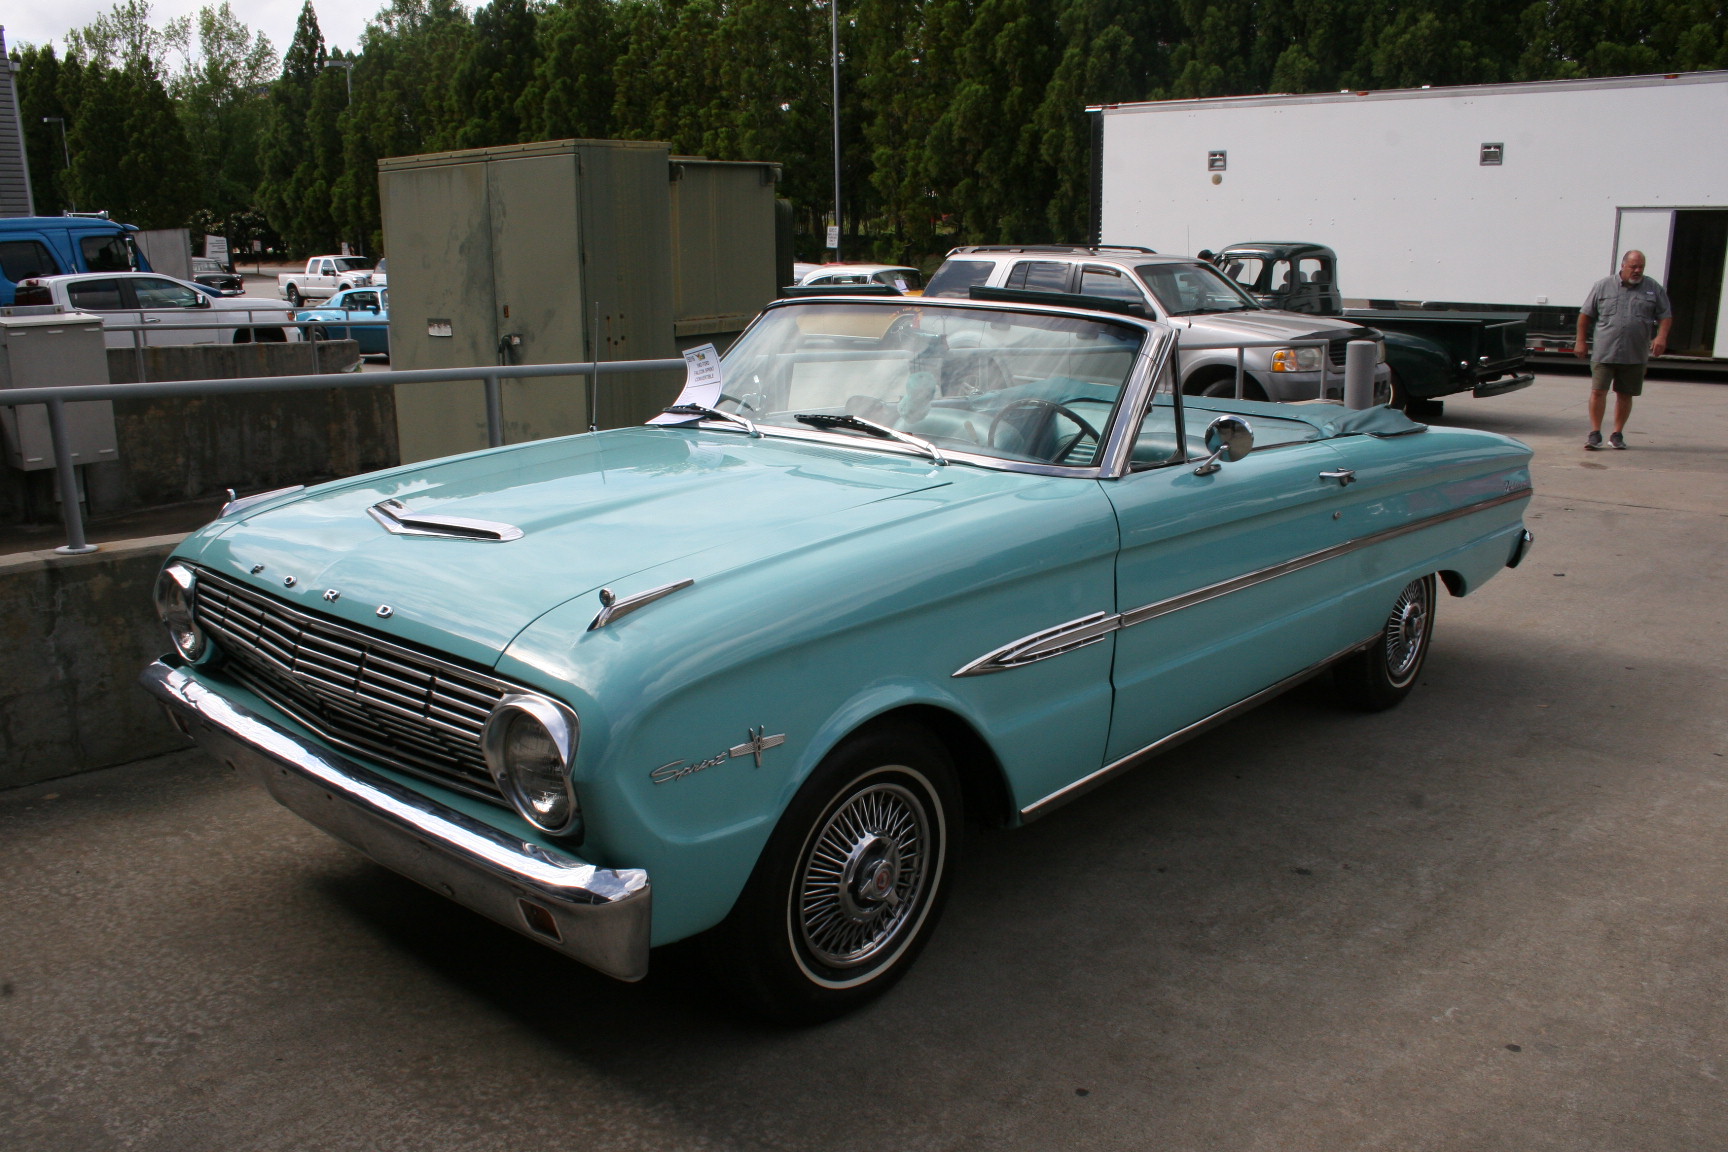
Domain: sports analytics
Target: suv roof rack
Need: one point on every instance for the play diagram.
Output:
(1071, 249)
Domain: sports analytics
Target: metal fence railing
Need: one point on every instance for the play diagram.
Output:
(490, 376)
(270, 322)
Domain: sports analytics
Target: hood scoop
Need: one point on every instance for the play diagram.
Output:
(399, 520)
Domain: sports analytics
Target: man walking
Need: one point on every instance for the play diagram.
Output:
(1626, 309)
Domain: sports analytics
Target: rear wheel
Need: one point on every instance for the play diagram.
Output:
(1412, 406)
(1382, 674)
(851, 883)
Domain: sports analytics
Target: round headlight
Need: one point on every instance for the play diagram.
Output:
(530, 747)
(174, 606)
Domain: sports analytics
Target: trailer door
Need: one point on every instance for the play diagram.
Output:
(1694, 283)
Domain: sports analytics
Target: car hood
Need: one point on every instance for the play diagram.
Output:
(592, 510)
(1270, 325)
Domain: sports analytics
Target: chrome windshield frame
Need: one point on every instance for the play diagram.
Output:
(1149, 363)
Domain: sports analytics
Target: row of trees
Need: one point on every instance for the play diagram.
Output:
(962, 120)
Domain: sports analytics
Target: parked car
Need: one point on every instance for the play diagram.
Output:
(212, 275)
(151, 298)
(908, 281)
(380, 277)
(361, 314)
(1208, 309)
(324, 277)
(746, 674)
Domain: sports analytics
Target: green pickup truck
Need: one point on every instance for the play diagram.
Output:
(1431, 354)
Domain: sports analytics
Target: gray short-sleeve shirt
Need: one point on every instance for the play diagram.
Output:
(1626, 317)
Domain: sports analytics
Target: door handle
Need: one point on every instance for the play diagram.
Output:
(1344, 476)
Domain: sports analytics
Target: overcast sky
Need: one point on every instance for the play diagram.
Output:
(41, 21)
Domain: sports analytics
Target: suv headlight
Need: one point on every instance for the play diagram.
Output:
(174, 605)
(530, 747)
(1296, 360)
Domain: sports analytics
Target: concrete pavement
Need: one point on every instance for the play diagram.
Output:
(1493, 918)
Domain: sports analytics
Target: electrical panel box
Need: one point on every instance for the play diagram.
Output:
(47, 350)
(564, 251)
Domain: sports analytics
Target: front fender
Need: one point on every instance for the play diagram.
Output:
(808, 645)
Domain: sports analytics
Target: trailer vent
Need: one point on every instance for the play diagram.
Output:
(1492, 153)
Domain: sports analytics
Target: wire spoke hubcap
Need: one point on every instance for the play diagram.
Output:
(865, 875)
(1407, 630)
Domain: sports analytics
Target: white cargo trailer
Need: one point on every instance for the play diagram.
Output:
(1501, 196)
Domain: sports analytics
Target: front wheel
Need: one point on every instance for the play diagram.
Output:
(1382, 674)
(294, 296)
(851, 883)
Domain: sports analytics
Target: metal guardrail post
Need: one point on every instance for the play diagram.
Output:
(138, 353)
(1240, 352)
(68, 481)
(494, 411)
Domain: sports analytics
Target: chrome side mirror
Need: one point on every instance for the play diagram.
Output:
(1229, 438)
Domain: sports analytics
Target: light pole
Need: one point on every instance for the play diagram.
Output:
(65, 152)
(347, 67)
(834, 62)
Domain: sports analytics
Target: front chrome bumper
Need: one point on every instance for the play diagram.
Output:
(600, 916)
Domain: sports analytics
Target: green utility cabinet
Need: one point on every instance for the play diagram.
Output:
(564, 251)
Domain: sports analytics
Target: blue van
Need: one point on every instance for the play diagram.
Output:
(51, 245)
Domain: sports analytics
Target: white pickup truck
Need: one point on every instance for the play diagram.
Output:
(324, 277)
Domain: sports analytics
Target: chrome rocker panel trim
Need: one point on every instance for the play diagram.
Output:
(599, 916)
(1134, 759)
(1064, 638)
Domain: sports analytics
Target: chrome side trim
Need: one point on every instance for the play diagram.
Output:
(1134, 759)
(612, 608)
(1090, 629)
(1236, 584)
(600, 916)
(398, 520)
(1043, 645)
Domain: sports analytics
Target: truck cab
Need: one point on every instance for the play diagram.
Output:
(1286, 275)
(33, 246)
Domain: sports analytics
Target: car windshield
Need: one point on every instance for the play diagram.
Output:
(1190, 289)
(1020, 386)
(352, 264)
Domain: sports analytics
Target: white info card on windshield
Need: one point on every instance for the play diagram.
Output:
(702, 383)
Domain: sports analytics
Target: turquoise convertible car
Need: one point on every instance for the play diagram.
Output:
(746, 673)
(359, 314)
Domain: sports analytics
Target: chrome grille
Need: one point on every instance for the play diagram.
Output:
(403, 708)
(1335, 352)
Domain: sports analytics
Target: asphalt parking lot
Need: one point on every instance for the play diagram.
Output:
(1493, 918)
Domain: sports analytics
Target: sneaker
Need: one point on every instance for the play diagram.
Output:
(1593, 441)
(1618, 441)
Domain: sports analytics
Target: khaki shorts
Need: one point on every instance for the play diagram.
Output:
(1627, 379)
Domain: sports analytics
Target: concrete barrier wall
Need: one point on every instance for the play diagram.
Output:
(185, 448)
(76, 630)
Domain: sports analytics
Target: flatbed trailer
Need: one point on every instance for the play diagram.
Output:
(1482, 198)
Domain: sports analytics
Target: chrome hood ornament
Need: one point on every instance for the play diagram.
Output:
(399, 520)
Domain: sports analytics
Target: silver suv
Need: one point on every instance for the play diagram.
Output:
(1206, 308)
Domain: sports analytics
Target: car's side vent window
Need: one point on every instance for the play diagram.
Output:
(1039, 275)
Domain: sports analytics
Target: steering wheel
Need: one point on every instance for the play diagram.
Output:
(1035, 404)
(974, 375)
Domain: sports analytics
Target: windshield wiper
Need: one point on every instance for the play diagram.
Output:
(858, 423)
(712, 413)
